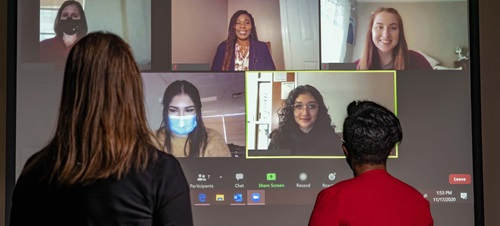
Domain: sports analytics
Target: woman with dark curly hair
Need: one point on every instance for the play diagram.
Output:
(242, 50)
(305, 128)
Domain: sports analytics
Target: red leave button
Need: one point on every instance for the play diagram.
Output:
(459, 179)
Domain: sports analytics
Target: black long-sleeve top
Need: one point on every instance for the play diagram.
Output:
(158, 195)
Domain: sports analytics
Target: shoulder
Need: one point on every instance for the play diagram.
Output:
(418, 61)
(163, 156)
(164, 164)
(211, 133)
(49, 43)
(260, 44)
(399, 188)
(280, 135)
(216, 145)
(336, 191)
(214, 137)
(336, 142)
(328, 131)
(357, 63)
(37, 164)
(222, 45)
(49, 40)
(159, 138)
(415, 55)
(408, 189)
(331, 206)
(408, 194)
(340, 186)
(35, 156)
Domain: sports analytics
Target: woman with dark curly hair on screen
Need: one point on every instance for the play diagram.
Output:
(242, 50)
(305, 128)
(101, 166)
(386, 47)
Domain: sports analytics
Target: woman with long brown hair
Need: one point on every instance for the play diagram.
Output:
(101, 167)
(70, 26)
(242, 50)
(386, 47)
(182, 132)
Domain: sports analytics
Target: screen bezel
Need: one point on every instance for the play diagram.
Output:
(11, 84)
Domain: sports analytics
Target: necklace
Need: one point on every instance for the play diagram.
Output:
(242, 51)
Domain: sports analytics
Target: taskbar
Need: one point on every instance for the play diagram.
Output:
(266, 197)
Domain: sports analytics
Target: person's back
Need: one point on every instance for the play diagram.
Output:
(101, 167)
(373, 197)
(150, 197)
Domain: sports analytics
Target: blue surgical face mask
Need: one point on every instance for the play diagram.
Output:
(182, 125)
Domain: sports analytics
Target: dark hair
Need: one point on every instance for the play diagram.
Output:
(370, 132)
(197, 139)
(83, 31)
(102, 129)
(231, 37)
(370, 58)
(287, 121)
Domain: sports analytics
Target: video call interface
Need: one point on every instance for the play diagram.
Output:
(244, 175)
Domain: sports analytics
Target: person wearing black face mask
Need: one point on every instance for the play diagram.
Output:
(373, 196)
(70, 26)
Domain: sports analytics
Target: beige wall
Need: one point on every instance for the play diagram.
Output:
(489, 17)
(434, 28)
(267, 20)
(198, 27)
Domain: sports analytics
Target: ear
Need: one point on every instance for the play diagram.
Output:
(346, 153)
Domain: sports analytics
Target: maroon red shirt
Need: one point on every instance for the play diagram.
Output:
(415, 62)
(54, 51)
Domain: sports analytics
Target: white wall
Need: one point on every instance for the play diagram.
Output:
(130, 19)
